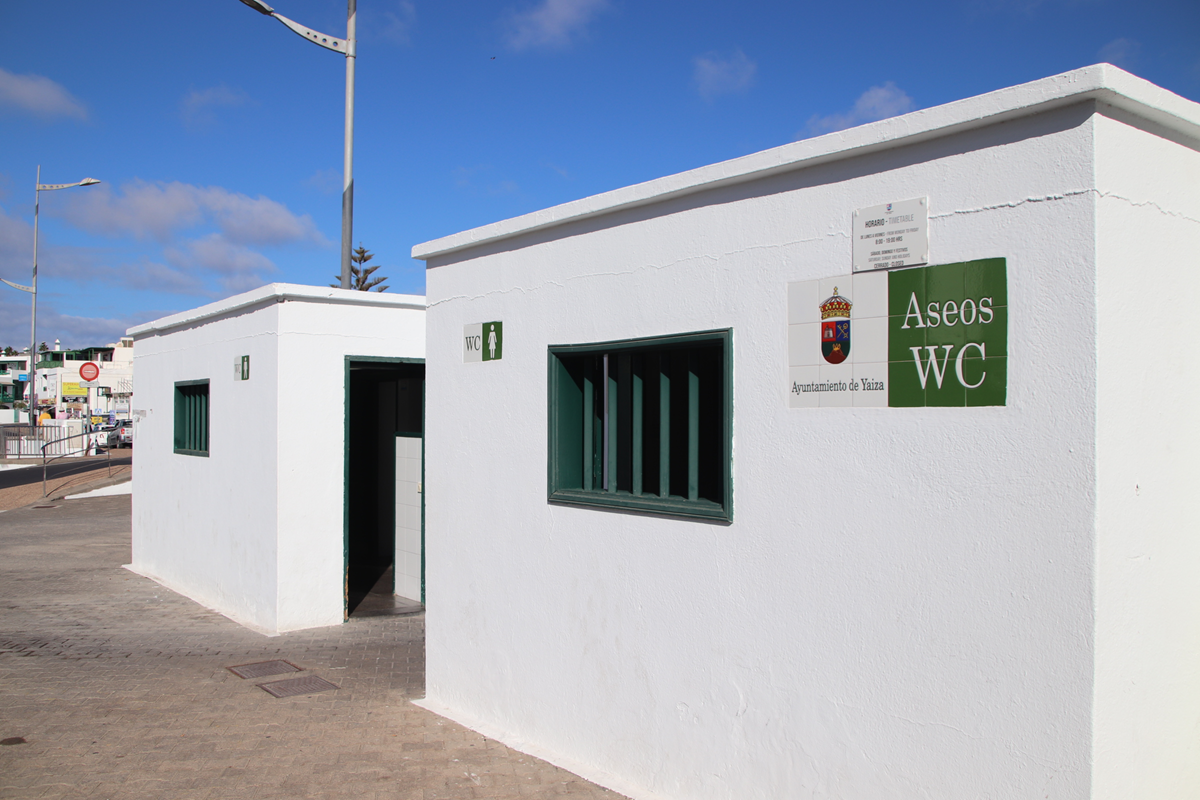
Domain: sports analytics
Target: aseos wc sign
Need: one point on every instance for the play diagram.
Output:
(929, 336)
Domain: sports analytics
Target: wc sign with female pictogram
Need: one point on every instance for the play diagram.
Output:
(483, 341)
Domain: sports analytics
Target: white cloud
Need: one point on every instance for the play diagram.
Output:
(74, 331)
(16, 246)
(152, 276)
(398, 24)
(39, 96)
(159, 210)
(1121, 52)
(197, 109)
(215, 253)
(551, 23)
(716, 74)
(878, 102)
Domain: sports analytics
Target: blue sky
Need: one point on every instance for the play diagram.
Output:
(217, 132)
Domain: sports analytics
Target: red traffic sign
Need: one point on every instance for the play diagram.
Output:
(89, 371)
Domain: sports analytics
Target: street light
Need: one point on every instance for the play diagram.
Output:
(346, 47)
(37, 196)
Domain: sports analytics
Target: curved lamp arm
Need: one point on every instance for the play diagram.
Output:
(337, 44)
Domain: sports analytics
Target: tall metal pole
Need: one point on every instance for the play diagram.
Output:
(32, 289)
(348, 166)
(346, 47)
(37, 199)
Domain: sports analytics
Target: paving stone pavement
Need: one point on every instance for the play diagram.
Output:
(120, 689)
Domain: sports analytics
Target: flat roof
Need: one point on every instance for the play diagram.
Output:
(278, 293)
(1102, 82)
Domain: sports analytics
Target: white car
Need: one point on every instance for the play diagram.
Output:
(106, 436)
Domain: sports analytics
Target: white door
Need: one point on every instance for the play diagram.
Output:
(408, 517)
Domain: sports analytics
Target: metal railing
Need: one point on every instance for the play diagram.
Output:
(20, 440)
(62, 451)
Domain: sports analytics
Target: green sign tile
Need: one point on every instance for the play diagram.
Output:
(948, 335)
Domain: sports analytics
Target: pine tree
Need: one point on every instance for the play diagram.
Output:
(360, 273)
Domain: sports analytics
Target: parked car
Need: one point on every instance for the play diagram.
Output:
(106, 436)
(125, 432)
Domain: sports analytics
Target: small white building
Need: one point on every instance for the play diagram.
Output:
(279, 452)
(863, 467)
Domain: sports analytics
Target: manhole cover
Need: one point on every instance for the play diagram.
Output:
(263, 669)
(45, 506)
(292, 687)
(13, 740)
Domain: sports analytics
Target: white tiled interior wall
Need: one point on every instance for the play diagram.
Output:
(408, 517)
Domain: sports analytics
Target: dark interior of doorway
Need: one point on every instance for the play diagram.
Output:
(385, 398)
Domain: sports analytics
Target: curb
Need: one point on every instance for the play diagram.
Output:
(89, 487)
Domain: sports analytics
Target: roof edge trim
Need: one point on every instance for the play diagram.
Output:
(277, 293)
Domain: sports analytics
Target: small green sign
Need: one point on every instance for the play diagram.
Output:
(493, 341)
(241, 368)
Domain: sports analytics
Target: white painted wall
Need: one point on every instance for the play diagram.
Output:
(206, 527)
(905, 603)
(255, 530)
(1147, 712)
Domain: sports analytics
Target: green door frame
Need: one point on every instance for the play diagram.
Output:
(346, 469)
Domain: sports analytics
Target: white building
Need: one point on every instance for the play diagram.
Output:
(279, 451)
(63, 390)
(14, 378)
(887, 570)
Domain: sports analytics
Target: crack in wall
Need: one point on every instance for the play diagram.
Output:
(631, 271)
(839, 233)
(1064, 196)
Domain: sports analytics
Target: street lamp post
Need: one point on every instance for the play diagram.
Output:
(346, 47)
(32, 289)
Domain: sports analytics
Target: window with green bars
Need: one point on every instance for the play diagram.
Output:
(644, 425)
(191, 418)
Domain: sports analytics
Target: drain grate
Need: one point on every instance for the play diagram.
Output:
(293, 687)
(263, 669)
(45, 506)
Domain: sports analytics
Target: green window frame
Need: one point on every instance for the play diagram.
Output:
(191, 418)
(644, 425)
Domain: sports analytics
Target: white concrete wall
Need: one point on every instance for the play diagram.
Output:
(256, 530)
(314, 340)
(205, 527)
(1147, 706)
(902, 606)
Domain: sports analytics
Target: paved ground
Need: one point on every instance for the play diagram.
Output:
(22, 486)
(119, 689)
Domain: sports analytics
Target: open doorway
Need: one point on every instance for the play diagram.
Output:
(384, 515)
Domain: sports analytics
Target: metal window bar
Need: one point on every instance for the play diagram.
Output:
(619, 436)
(589, 418)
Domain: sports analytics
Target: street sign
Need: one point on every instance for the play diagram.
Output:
(89, 371)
